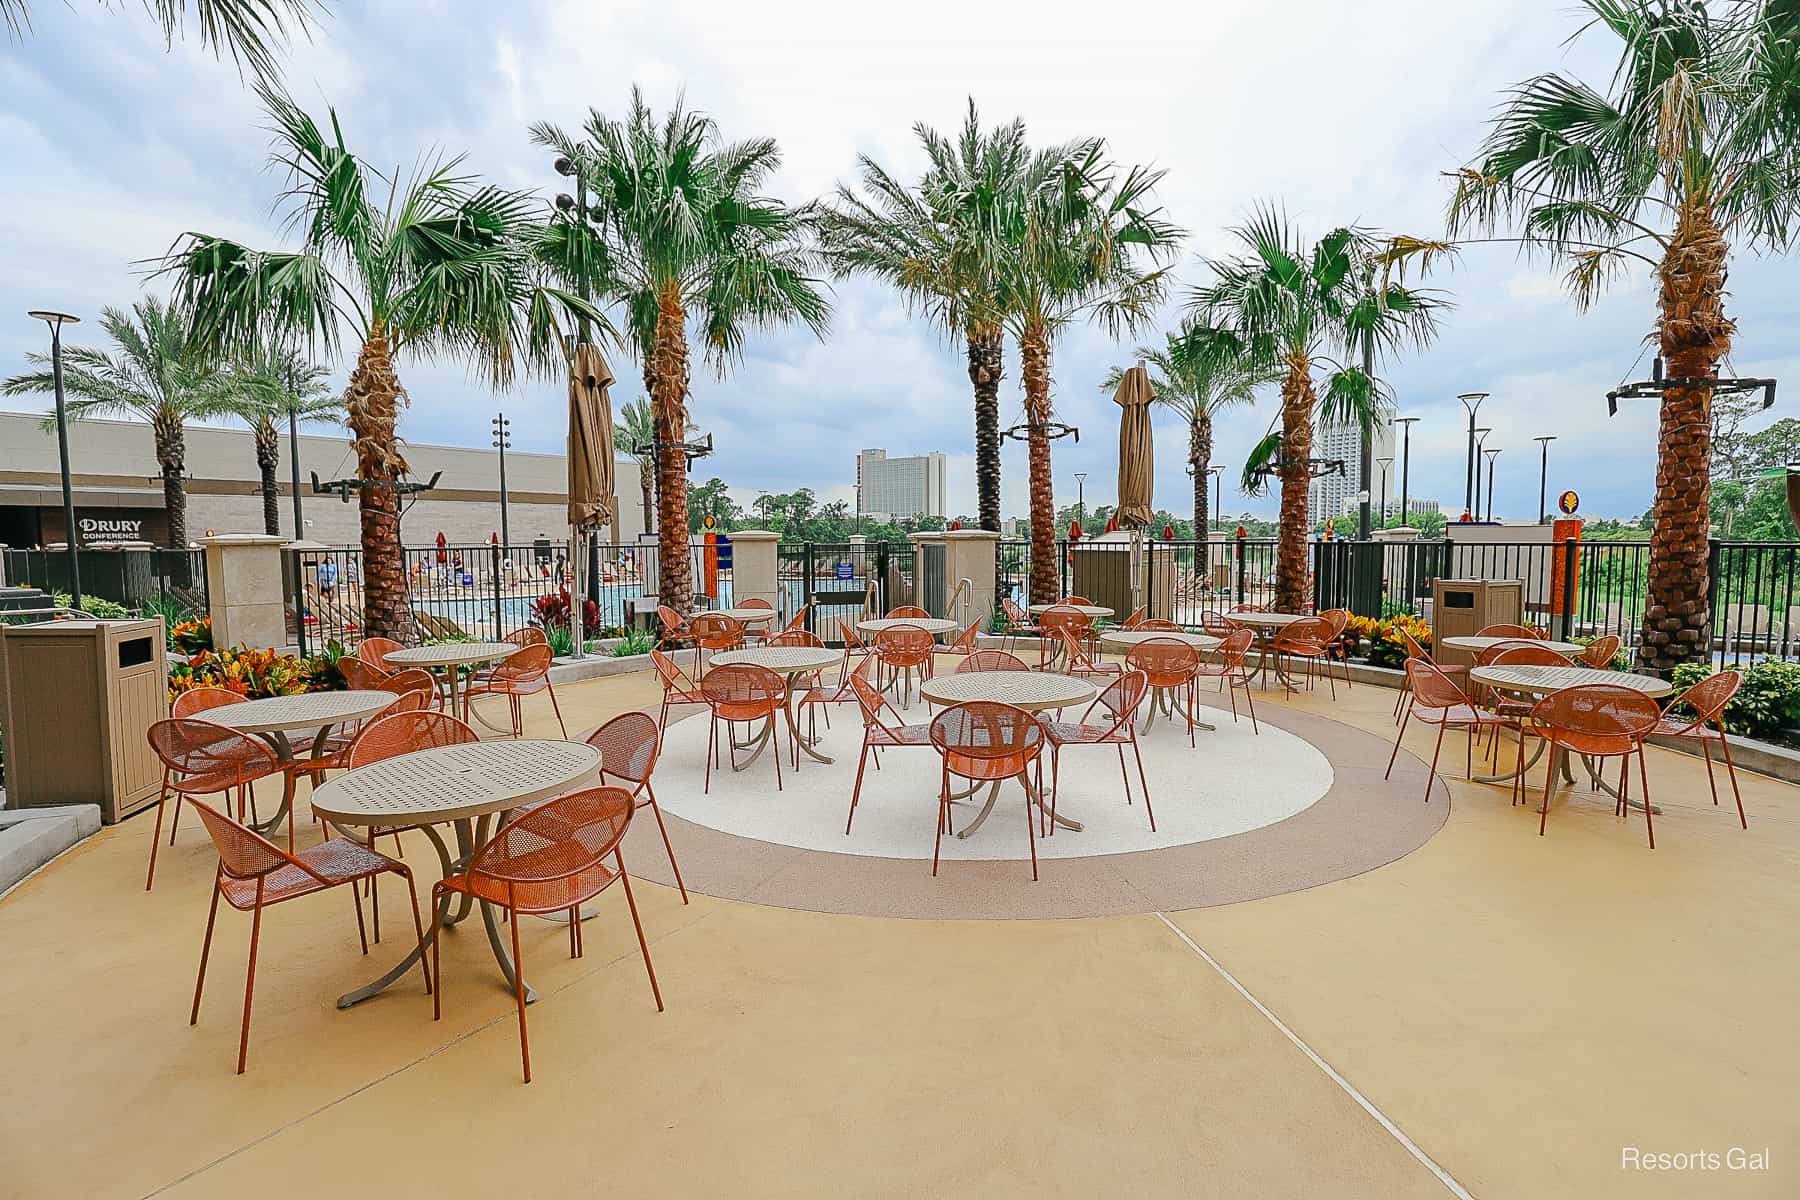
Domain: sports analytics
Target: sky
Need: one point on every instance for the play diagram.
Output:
(1337, 113)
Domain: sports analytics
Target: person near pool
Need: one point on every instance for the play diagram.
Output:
(328, 577)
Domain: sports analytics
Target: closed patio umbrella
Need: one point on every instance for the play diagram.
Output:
(1137, 476)
(590, 463)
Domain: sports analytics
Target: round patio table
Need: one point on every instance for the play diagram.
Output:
(1265, 625)
(931, 625)
(1033, 691)
(744, 616)
(787, 662)
(1478, 644)
(1160, 699)
(464, 786)
(1090, 611)
(450, 657)
(274, 717)
(1537, 682)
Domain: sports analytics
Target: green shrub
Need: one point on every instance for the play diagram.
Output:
(95, 606)
(561, 639)
(1766, 706)
(635, 641)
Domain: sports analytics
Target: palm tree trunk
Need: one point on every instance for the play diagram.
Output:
(268, 459)
(1034, 355)
(668, 398)
(372, 406)
(171, 460)
(1695, 334)
(987, 366)
(1200, 445)
(1296, 478)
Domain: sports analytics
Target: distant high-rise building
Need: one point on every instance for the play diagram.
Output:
(1414, 504)
(898, 488)
(1330, 492)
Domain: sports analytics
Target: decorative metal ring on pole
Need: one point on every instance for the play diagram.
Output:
(1053, 430)
(691, 450)
(1316, 468)
(1658, 385)
(342, 488)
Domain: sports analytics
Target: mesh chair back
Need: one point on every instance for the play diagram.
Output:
(361, 676)
(1076, 600)
(673, 625)
(1600, 652)
(1598, 718)
(1308, 635)
(196, 747)
(990, 660)
(852, 640)
(1015, 614)
(413, 679)
(1165, 662)
(904, 645)
(1431, 687)
(558, 839)
(870, 700)
(756, 602)
(243, 853)
(799, 621)
(1057, 618)
(716, 631)
(1522, 654)
(1233, 649)
(672, 676)
(1137, 617)
(742, 691)
(1413, 649)
(374, 650)
(1708, 698)
(628, 746)
(984, 739)
(965, 641)
(797, 637)
(1216, 624)
(1339, 619)
(1485, 657)
(394, 734)
(525, 664)
(198, 700)
(1123, 695)
(908, 610)
(1511, 631)
(529, 635)
(1156, 625)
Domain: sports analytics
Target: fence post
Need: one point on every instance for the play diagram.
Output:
(494, 562)
(1571, 551)
(1238, 568)
(294, 564)
(1712, 575)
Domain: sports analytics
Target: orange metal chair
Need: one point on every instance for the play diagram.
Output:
(374, 651)
(902, 649)
(853, 642)
(550, 859)
(254, 873)
(1216, 624)
(1077, 600)
(1308, 639)
(1336, 651)
(755, 635)
(1519, 653)
(1232, 671)
(983, 741)
(714, 632)
(1121, 700)
(1051, 624)
(1019, 622)
(965, 642)
(1598, 721)
(200, 758)
(1707, 700)
(414, 679)
(1156, 625)
(674, 628)
(878, 734)
(1168, 666)
(822, 693)
(1414, 651)
(1503, 630)
(991, 660)
(912, 611)
(1436, 700)
(1136, 618)
(524, 672)
(797, 637)
(1078, 662)
(677, 688)
(629, 746)
(798, 623)
(527, 635)
(1600, 652)
(360, 675)
(741, 692)
(195, 701)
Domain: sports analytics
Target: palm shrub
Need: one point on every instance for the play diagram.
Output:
(1689, 149)
(1297, 309)
(677, 230)
(421, 264)
(261, 390)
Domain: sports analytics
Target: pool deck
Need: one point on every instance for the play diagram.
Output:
(1495, 1012)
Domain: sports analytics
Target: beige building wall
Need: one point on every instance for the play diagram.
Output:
(114, 465)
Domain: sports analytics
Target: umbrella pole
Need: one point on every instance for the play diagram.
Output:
(575, 591)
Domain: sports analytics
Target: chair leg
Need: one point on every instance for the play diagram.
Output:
(862, 760)
(437, 956)
(643, 946)
(205, 950)
(1030, 831)
(1556, 753)
(712, 752)
(1724, 745)
(656, 811)
(557, 708)
(1395, 752)
(1644, 778)
(1431, 779)
(519, 997)
(156, 838)
(418, 925)
(1250, 701)
(250, 976)
(943, 818)
(1143, 783)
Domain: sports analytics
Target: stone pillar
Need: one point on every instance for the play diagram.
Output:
(970, 554)
(753, 556)
(243, 590)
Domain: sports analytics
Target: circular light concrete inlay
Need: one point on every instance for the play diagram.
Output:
(1241, 816)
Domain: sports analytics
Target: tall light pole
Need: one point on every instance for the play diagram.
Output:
(1381, 512)
(1081, 496)
(1480, 445)
(1406, 424)
(1472, 401)
(1218, 516)
(1543, 472)
(56, 320)
(1491, 456)
(1366, 428)
(502, 443)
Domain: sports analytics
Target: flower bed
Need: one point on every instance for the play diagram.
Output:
(255, 674)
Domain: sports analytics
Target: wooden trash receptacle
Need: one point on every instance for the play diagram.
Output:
(1464, 607)
(75, 700)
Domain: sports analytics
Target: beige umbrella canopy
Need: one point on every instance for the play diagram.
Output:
(590, 439)
(1136, 453)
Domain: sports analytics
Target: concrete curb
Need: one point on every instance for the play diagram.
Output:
(31, 837)
(574, 670)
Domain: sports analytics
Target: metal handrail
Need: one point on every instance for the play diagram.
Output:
(963, 588)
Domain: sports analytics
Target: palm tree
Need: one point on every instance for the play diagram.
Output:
(1284, 305)
(1070, 239)
(636, 431)
(153, 372)
(249, 29)
(1198, 387)
(261, 391)
(936, 243)
(1690, 148)
(434, 261)
(682, 232)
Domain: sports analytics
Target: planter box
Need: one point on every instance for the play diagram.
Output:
(573, 670)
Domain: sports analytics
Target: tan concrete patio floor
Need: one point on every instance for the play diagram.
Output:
(1519, 1008)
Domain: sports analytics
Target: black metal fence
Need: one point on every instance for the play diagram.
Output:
(839, 578)
(169, 580)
